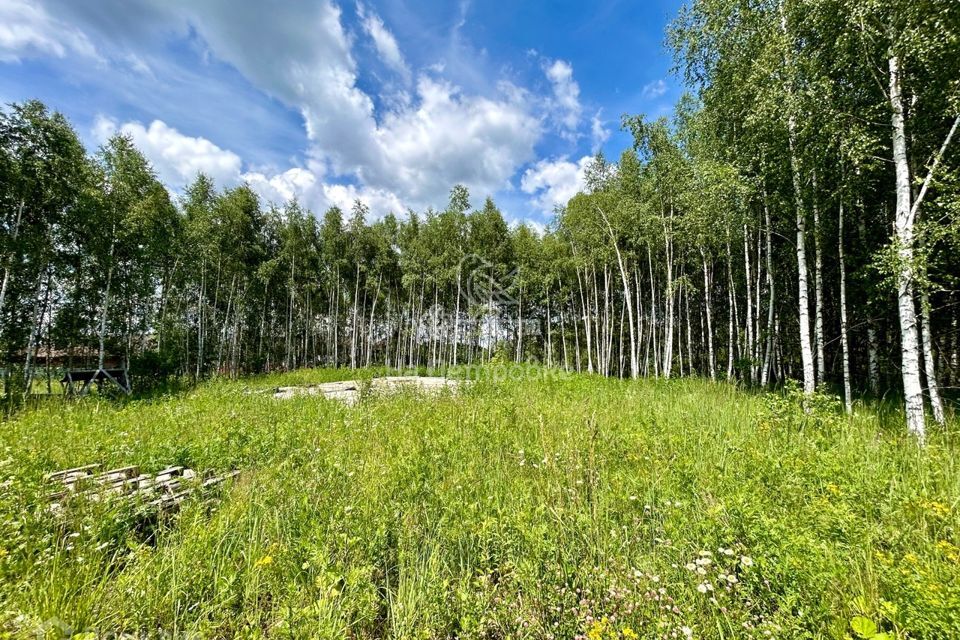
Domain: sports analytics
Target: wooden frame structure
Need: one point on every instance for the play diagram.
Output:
(86, 377)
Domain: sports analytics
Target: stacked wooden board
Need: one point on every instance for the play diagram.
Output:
(163, 490)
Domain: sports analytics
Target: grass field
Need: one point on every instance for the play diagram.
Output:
(550, 507)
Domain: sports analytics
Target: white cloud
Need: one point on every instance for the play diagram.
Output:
(406, 148)
(27, 30)
(138, 64)
(566, 96)
(295, 183)
(554, 182)
(306, 187)
(384, 41)
(450, 138)
(654, 90)
(380, 202)
(177, 158)
(415, 149)
(598, 132)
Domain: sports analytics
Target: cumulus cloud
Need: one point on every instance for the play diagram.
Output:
(450, 138)
(384, 41)
(415, 149)
(654, 90)
(28, 30)
(306, 186)
(405, 149)
(566, 95)
(554, 182)
(177, 158)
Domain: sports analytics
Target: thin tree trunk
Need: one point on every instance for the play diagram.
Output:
(669, 299)
(749, 320)
(106, 305)
(653, 315)
(768, 355)
(819, 337)
(9, 258)
(844, 338)
(929, 364)
(711, 359)
(806, 350)
(634, 370)
(910, 365)
(456, 320)
(549, 333)
(586, 324)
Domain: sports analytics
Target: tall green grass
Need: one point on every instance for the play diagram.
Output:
(543, 508)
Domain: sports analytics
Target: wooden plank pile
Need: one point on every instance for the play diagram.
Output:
(161, 491)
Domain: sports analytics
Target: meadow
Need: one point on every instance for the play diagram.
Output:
(549, 507)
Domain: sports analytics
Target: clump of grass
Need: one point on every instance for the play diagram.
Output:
(544, 508)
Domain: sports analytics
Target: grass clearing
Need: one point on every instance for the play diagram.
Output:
(546, 508)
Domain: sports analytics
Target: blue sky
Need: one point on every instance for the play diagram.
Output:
(392, 101)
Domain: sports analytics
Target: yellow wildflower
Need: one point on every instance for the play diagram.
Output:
(629, 634)
(949, 549)
(596, 629)
(265, 561)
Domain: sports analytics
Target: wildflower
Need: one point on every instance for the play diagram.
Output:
(746, 561)
(834, 489)
(732, 579)
(937, 508)
(691, 567)
(687, 631)
(265, 561)
(629, 633)
(949, 549)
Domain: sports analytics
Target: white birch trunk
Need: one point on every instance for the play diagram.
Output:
(768, 354)
(711, 360)
(628, 297)
(818, 286)
(929, 364)
(844, 338)
(903, 224)
(803, 299)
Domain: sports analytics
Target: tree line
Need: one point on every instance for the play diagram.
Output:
(796, 218)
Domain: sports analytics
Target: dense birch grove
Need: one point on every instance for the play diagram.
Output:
(796, 218)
